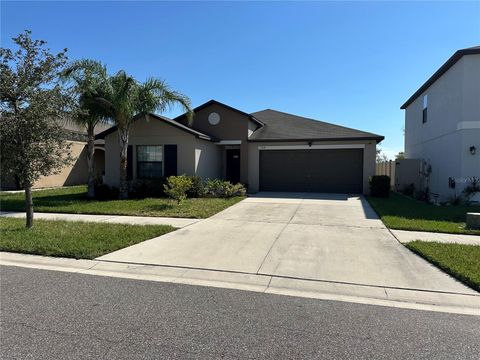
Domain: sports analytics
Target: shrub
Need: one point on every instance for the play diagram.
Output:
(237, 190)
(421, 196)
(105, 192)
(409, 190)
(221, 188)
(471, 189)
(197, 188)
(215, 188)
(143, 188)
(380, 186)
(455, 200)
(178, 186)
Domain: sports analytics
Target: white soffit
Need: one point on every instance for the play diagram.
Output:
(229, 142)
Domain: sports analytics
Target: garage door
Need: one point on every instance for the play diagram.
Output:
(312, 170)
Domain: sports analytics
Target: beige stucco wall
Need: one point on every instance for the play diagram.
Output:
(369, 155)
(74, 174)
(233, 126)
(208, 159)
(453, 125)
(150, 132)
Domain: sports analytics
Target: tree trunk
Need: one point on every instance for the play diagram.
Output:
(28, 205)
(123, 140)
(91, 162)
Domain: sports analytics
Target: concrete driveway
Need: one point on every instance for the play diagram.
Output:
(326, 237)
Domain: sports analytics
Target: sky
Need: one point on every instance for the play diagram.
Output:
(348, 63)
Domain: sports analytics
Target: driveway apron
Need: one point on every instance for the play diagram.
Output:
(327, 237)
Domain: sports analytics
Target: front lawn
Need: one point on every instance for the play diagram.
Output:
(78, 240)
(73, 200)
(460, 261)
(403, 213)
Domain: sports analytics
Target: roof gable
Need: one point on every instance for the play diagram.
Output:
(212, 101)
(442, 70)
(281, 126)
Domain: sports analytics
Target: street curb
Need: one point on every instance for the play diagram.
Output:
(324, 290)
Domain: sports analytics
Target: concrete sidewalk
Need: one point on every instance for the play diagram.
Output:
(114, 219)
(466, 303)
(406, 236)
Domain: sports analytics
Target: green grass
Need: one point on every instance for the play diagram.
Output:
(403, 213)
(73, 200)
(460, 261)
(78, 240)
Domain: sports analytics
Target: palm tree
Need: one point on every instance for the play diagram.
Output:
(124, 98)
(88, 78)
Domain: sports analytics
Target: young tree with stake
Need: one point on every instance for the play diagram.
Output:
(32, 106)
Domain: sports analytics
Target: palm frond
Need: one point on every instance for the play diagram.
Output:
(155, 94)
(88, 79)
(85, 72)
(123, 90)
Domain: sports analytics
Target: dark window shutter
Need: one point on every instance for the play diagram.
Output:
(170, 158)
(129, 162)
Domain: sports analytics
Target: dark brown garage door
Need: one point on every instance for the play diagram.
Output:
(312, 170)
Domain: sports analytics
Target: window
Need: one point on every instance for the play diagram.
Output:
(149, 161)
(425, 106)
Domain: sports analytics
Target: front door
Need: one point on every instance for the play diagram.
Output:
(233, 165)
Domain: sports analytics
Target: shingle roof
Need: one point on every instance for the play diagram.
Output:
(443, 69)
(164, 119)
(280, 126)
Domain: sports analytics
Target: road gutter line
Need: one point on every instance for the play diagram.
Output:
(325, 290)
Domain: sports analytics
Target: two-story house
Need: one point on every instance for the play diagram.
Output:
(442, 124)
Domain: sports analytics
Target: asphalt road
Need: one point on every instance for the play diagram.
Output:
(55, 315)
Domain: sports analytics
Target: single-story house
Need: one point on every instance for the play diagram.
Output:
(75, 173)
(267, 150)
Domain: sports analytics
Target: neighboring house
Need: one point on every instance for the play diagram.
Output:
(442, 124)
(266, 150)
(75, 173)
